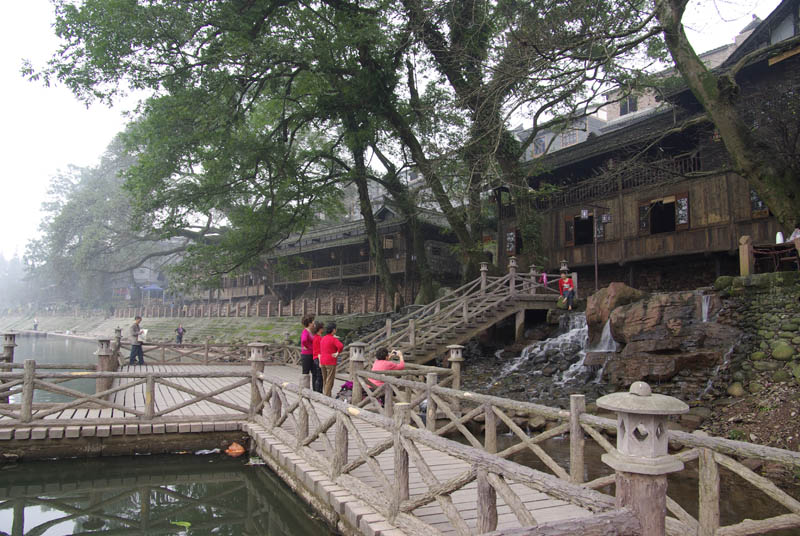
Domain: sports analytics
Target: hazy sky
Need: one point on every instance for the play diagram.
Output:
(47, 129)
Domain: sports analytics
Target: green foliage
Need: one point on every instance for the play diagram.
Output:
(737, 435)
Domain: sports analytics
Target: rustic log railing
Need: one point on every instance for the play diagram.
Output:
(35, 378)
(450, 411)
(168, 353)
(289, 414)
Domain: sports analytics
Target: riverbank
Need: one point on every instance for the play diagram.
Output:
(198, 330)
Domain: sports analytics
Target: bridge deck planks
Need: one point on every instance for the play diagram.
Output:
(444, 466)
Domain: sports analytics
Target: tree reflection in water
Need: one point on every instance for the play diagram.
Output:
(190, 495)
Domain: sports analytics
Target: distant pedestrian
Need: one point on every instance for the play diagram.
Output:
(307, 345)
(35, 324)
(136, 344)
(316, 370)
(567, 289)
(329, 349)
(179, 333)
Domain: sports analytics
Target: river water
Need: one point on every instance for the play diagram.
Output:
(175, 494)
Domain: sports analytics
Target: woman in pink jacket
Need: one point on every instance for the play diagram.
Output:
(329, 348)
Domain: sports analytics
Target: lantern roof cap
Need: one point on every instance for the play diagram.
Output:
(640, 399)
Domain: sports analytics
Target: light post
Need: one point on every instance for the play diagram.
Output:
(606, 219)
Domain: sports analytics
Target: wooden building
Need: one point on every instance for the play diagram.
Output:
(668, 213)
(332, 262)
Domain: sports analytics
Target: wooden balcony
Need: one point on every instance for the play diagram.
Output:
(332, 273)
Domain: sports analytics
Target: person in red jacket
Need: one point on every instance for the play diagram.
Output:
(329, 348)
(566, 288)
(316, 371)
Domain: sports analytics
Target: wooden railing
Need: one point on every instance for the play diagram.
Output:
(295, 416)
(450, 411)
(336, 272)
(167, 353)
(36, 378)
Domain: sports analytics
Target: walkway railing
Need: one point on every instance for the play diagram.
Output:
(444, 411)
(294, 416)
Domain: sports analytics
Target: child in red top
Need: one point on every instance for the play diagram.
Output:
(329, 348)
(567, 289)
(316, 371)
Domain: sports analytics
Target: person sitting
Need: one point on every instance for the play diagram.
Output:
(384, 361)
(567, 289)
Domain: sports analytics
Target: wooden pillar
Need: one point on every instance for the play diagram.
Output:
(487, 503)
(747, 262)
(356, 364)
(577, 406)
(269, 309)
(412, 332)
(575, 284)
(490, 429)
(291, 307)
(340, 446)
(708, 516)
(247, 309)
(388, 328)
(149, 397)
(316, 306)
(302, 412)
(106, 362)
(512, 272)
(303, 307)
(519, 325)
(257, 360)
(9, 343)
(455, 359)
(280, 308)
(431, 379)
(363, 304)
(484, 276)
(28, 387)
(400, 492)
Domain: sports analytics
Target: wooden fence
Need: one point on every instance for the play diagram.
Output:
(450, 411)
(167, 353)
(295, 417)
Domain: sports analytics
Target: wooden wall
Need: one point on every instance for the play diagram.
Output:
(719, 213)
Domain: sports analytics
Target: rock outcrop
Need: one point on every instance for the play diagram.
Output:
(600, 305)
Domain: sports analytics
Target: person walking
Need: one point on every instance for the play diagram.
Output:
(307, 345)
(329, 348)
(35, 324)
(567, 289)
(316, 370)
(179, 333)
(136, 344)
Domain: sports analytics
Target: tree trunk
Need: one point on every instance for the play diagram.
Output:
(718, 96)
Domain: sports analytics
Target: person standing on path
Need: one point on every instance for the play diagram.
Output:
(567, 289)
(329, 349)
(179, 333)
(136, 344)
(316, 371)
(307, 345)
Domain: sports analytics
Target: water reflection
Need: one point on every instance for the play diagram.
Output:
(190, 495)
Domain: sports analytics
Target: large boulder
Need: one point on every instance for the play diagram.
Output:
(664, 335)
(600, 305)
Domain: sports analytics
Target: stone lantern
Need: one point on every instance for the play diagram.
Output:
(564, 267)
(641, 460)
(257, 360)
(357, 358)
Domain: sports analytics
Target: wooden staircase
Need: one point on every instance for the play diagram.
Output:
(424, 334)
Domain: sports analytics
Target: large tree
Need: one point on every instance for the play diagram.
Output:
(752, 150)
(260, 108)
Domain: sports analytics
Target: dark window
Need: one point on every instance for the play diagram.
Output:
(569, 138)
(628, 105)
(662, 217)
(583, 230)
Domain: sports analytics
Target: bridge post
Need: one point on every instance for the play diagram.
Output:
(340, 441)
(412, 332)
(747, 263)
(577, 406)
(431, 379)
(400, 492)
(484, 276)
(117, 345)
(455, 359)
(9, 343)
(512, 272)
(519, 325)
(388, 327)
(534, 277)
(28, 386)
(641, 459)
(302, 416)
(106, 362)
(257, 360)
(356, 364)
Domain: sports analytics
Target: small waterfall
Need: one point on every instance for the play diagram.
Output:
(607, 342)
(706, 305)
(574, 330)
(726, 361)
